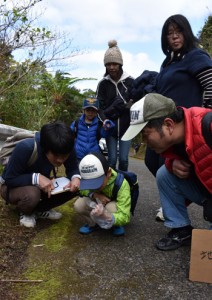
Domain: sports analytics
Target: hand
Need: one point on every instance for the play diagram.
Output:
(46, 184)
(181, 168)
(119, 104)
(129, 104)
(101, 212)
(106, 124)
(98, 210)
(101, 198)
(74, 185)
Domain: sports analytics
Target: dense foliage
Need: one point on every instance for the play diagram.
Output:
(205, 35)
(32, 90)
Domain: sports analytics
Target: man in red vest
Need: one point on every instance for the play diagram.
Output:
(184, 137)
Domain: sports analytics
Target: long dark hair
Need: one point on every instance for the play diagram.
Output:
(190, 41)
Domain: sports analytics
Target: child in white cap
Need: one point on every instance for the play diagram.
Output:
(96, 203)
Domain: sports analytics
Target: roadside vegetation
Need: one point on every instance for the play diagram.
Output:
(35, 87)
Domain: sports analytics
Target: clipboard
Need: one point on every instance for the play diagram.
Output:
(59, 184)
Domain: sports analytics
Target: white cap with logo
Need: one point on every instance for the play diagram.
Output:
(93, 169)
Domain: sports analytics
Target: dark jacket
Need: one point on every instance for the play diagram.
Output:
(113, 101)
(178, 79)
(144, 84)
(18, 173)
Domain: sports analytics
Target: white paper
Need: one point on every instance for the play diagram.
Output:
(59, 184)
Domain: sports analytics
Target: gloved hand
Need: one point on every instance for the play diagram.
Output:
(129, 104)
(119, 104)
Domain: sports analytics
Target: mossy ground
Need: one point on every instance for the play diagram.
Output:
(43, 253)
(44, 257)
(36, 254)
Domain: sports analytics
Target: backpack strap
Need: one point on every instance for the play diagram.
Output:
(34, 155)
(76, 123)
(207, 128)
(118, 182)
(98, 132)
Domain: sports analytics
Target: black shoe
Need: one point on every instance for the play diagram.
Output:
(176, 238)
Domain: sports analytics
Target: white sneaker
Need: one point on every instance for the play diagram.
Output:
(159, 216)
(49, 214)
(27, 220)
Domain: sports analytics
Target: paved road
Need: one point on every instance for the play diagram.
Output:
(130, 267)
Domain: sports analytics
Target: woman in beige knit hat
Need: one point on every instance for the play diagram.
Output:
(114, 104)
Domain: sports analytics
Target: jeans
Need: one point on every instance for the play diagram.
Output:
(173, 193)
(124, 148)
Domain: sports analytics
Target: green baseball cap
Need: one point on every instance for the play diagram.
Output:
(151, 106)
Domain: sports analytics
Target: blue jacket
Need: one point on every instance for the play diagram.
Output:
(18, 173)
(86, 139)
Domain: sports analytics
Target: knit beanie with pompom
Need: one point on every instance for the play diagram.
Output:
(113, 54)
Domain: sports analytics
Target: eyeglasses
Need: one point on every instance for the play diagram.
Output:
(174, 32)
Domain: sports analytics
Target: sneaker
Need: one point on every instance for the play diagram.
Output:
(86, 229)
(176, 238)
(49, 214)
(159, 216)
(118, 230)
(27, 220)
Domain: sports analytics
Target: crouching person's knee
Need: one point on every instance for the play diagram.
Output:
(81, 205)
(161, 175)
(26, 199)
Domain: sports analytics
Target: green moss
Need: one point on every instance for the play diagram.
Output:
(57, 232)
(44, 258)
(46, 290)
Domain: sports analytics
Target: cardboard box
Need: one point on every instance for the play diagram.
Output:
(201, 256)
